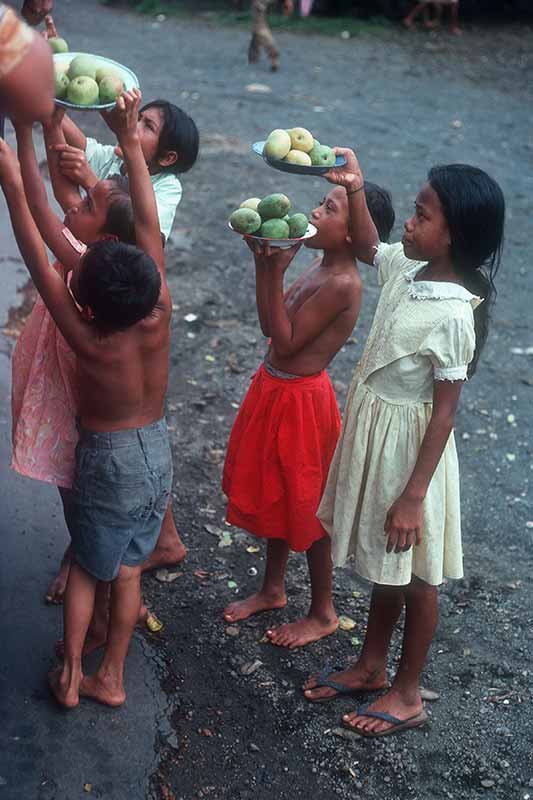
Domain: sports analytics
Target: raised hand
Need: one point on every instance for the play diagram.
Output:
(9, 165)
(278, 257)
(350, 175)
(73, 165)
(123, 118)
(50, 31)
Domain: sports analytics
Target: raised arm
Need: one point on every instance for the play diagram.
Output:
(122, 120)
(66, 192)
(362, 229)
(290, 335)
(49, 225)
(49, 284)
(73, 135)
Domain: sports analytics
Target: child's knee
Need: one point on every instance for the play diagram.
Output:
(127, 573)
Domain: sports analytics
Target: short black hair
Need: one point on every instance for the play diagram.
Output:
(179, 133)
(379, 204)
(120, 221)
(119, 283)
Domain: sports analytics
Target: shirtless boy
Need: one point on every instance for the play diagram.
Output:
(123, 463)
(286, 430)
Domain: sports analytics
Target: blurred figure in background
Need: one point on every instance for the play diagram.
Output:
(261, 33)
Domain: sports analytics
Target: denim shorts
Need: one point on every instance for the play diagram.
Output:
(120, 493)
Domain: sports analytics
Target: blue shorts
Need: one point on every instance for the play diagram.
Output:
(120, 493)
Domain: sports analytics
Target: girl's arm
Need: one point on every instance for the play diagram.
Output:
(289, 336)
(403, 525)
(50, 227)
(122, 120)
(362, 229)
(73, 135)
(66, 192)
(49, 284)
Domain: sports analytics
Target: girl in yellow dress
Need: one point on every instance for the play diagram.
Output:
(392, 494)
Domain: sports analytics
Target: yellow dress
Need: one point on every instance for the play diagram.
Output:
(422, 331)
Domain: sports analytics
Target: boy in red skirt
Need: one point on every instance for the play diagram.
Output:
(287, 428)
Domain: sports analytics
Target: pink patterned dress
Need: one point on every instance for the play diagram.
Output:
(43, 397)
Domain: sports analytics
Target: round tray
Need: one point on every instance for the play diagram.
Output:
(129, 78)
(310, 232)
(296, 169)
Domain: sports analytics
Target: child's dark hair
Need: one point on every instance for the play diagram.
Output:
(474, 208)
(119, 283)
(379, 204)
(119, 221)
(179, 133)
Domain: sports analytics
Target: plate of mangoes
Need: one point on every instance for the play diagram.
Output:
(268, 220)
(89, 82)
(296, 150)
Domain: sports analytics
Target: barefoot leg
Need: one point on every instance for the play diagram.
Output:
(370, 668)
(77, 613)
(97, 633)
(56, 590)
(107, 684)
(169, 549)
(403, 700)
(454, 21)
(272, 592)
(410, 18)
(321, 619)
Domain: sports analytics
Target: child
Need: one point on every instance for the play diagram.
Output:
(286, 430)
(123, 463)
(424, 7)
(392, 495)
(261, 33)
(169, 141)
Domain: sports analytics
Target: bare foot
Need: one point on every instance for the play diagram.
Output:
(165, 557)
(242, 609)
(303, 631)
(65, 687)
(356, 678)
(392, 703)
(56, 591)
(96, 689)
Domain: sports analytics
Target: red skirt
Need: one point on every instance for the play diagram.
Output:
(278, 457)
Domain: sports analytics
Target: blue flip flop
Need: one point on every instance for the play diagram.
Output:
(342, 690)
(397, 725)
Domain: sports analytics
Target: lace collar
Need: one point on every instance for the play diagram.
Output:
(438, 290)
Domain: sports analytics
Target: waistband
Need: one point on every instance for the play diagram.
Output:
(109, 440)
(277, 376)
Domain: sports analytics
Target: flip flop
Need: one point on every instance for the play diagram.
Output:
(416, 721)
(342, 690)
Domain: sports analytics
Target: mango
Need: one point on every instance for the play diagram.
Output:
(58, 45)
(245, 220)
(301, 139)
(277, 144)
(82, 66)
(274, 206)
(297, 225)
(109, 88)
(322, 156)
(274, 229)
(61, 82)
(252, 203)
(106, 72)
(298, 157)
(83, 91)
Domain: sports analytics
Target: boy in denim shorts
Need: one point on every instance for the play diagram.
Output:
(123, 462)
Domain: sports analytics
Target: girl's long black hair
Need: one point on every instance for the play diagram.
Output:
(474, 208)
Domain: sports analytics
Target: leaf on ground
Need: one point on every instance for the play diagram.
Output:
(346, 624)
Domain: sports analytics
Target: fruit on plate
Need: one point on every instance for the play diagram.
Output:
(61, 83)
(245, 220)
(274, 229)
(83, 91)
(297, 225)
(109, 88)
(252, 203)
(301, 139)
(274, 206)
(298, 157)
(82, 67)
(58, 44)
(278, 144)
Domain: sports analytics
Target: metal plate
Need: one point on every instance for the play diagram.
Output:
(310, 232)
(296, 169)
(129, 78)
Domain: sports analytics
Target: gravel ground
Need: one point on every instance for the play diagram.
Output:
(239, 727)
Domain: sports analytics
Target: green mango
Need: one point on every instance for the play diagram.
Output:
(274, 229)
(58, 45)
(274, 206)
(82, 66)
(61, 82)
(109, 89)
(245, 220)
(297, 225)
